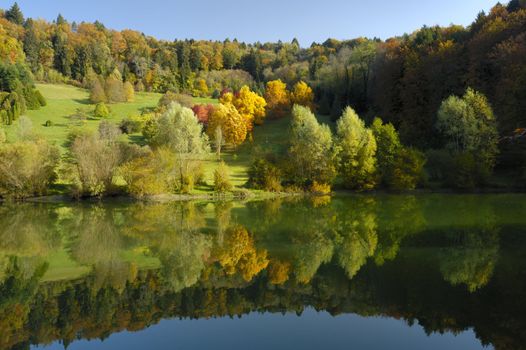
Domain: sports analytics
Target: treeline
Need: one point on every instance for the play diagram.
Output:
(361, 158)
(403, 79)
(178, 139)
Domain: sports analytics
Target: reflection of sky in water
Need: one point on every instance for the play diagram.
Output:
(274, 331)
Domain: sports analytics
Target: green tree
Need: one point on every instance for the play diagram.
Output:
(311, 152)
(468, 125)
(14, 14)
(180, 131)
(357, 152)
(388, 147)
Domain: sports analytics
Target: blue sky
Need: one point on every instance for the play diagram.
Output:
(267, 20)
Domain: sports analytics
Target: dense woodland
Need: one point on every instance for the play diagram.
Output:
(448, 101)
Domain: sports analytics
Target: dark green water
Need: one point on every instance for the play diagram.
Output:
(357, 272)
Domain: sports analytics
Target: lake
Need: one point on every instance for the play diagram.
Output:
(429, 271)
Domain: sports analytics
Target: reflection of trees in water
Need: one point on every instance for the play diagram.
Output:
(468, 234)
(471, 264)
(357, 238)
(237, 253)
(29, 233)
(226, 259)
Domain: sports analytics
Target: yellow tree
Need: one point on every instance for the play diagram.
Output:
(302, 95)
(232, 125)
(251, 106)
(238, 254)
(278, 99)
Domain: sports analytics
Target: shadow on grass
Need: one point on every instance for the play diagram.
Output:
(84, 101)
(145, 110)
(137, 139)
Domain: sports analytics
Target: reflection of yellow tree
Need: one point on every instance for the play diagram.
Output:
(278, 271)
(238, 254)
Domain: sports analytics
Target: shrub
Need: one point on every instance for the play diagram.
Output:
(11, 107)
(132, 124)
(48, 123)
(27, 168)
(97, 94)
(93, 164)
(101, 111)
(109, 131)
(151, 174)
(264, 175)
(114, 89)
(129, 92)
(222, 178)
(319, 188)
(408, 169)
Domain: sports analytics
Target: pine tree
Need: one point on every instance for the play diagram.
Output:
(14, 14)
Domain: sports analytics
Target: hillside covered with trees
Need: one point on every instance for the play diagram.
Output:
(442, 106)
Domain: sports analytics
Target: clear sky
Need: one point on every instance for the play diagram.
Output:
(264, 20)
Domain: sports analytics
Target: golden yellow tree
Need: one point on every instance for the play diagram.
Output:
(239, 254)
(232, 124)
(251, 106)
(302, 95)
(278, 98)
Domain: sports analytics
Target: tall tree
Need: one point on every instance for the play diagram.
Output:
(14, 14)
(357, 152)
(311, 152)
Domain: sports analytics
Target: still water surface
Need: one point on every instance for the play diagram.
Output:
(363, 272)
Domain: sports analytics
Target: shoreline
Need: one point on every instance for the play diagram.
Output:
(249, 195)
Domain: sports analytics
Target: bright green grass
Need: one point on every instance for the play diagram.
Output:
(64, 100)
(63, 267)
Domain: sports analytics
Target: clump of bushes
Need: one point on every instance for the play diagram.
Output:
(169, 97)
(264, 175)
(94, 160)
(134, 123)
(110, 90)
(151, 174)
(222, 178)
(27, 168)
(319, 188)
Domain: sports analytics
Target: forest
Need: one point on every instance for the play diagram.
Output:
(439, 108)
